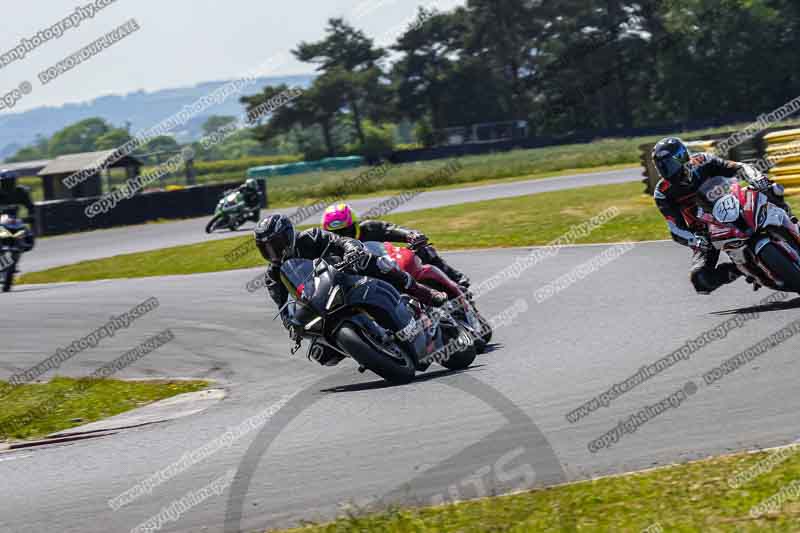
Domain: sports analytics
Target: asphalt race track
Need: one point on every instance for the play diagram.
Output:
(353, 439)
(68, 249)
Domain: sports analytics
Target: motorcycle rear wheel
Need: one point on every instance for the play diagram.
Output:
(369, 356)
(782, 266)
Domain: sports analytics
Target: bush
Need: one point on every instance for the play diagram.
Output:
(378, 141)
(424, 133)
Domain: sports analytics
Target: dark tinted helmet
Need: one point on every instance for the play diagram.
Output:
(275, 238)
(670, 157)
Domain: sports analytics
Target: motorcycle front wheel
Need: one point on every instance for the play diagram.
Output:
(466, 353)
(370, 356)
(485, 332)
(779, 264)
(7, 276)
(213, 223)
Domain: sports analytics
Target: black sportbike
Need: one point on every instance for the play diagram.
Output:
(345, 314)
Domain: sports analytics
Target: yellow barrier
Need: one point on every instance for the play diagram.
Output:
(782, 136)
(700, 146)
(792, 147)
(783, 150)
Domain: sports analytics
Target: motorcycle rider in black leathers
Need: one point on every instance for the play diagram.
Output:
(11, 197)
(278, 241)
(342, 220)
(252, 198)
(682, 174)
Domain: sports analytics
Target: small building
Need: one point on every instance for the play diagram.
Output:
(21, 170)
(60, 168)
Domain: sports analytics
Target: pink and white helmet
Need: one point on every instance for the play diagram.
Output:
(341, 219)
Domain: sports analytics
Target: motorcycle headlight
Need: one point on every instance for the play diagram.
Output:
(335, 299)
(5, 234)
(315, 325)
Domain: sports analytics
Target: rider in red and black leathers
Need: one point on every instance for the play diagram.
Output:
(682, 174)
(377, 230)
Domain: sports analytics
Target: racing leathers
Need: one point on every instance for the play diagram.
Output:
(317, 243)
(12, 196)
(252, 201)
(377, 230)
(678, 204)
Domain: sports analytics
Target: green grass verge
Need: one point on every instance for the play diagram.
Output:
(682, 498)
(102, 399)
(519, 221)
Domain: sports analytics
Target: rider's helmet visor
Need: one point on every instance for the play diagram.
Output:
(669, 168)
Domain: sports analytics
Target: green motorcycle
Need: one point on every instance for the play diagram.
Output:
(231, 212)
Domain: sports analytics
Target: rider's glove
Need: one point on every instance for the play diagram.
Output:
(761, 184)
(356, 257)
(698, 242)
(757, 180)
(417, 239)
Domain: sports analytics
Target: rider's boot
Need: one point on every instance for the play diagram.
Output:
(430, 256)
(404, 282)
(456, 275)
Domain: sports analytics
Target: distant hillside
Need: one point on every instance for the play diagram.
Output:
(142, 109)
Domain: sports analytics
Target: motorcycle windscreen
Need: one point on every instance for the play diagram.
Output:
(715, 188)
(297, 276)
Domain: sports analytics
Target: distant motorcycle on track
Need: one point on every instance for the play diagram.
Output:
(345, 314)
(15, 239)
(758, 236)
(231, 212)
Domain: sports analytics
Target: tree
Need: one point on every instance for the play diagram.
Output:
(216, 122)
(29, 153)
(321, 105)
(506, 35)
(113, 139)
(347, 54)
(428, 60)
(162, 143)
(77, 138)
(379, 141)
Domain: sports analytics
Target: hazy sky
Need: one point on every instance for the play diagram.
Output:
(180, 42)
